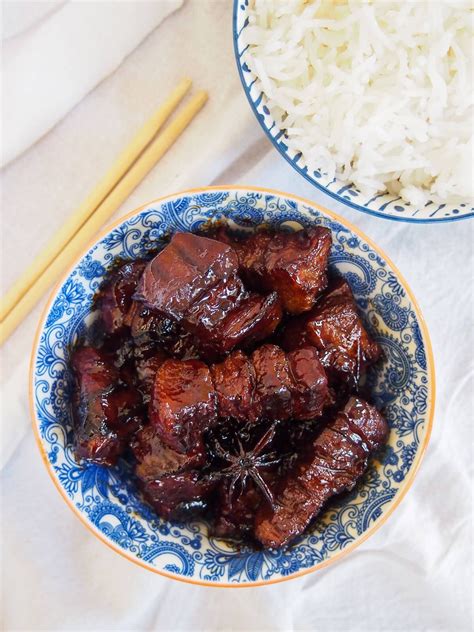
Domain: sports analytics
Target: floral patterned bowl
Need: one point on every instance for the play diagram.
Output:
(382, 204)
(106, 501)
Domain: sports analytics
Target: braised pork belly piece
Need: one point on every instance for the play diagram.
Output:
(106, 409)
(253, 320)
(292, 264)
(234, 383)
(309, 384)
(177, 496)
(170, 480)
(334, 462)
(183, 271)
(183, 404)
(235, 516)
(273, 383)
(155, 459)
(335, 328)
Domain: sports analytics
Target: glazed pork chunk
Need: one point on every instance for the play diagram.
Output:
(107, 410)
(177, 496)
(273, 383)
(183, 271)
(194, 281)
(292, 264)
(333, 464)
(170, 480)
(234, 383)
(155, 459)
(284, 386)
(335, 328)
(270, 384)
(309, 383)
(183, 404)
(254, 319)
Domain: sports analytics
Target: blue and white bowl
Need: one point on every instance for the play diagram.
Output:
(106, 501)
(383, 204)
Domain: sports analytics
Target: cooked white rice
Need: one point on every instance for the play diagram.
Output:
(376, 93)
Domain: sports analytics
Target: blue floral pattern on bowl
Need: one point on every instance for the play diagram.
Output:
(382, 204)
(106, 500)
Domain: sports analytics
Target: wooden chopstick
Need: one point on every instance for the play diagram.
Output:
(87, 208)
(104, 211)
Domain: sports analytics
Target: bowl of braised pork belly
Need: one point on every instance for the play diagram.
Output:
(232, 386)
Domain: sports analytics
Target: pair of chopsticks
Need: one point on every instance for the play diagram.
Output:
(128, 171)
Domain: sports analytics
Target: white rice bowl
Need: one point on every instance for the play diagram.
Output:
(378, 94)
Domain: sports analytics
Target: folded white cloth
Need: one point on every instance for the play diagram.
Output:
(17, 17)
(56, 61)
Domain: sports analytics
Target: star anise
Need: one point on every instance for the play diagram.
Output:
(245, 463)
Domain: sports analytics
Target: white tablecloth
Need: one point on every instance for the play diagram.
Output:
(415, 573)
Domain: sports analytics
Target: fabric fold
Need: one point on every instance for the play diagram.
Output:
(50, 67)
